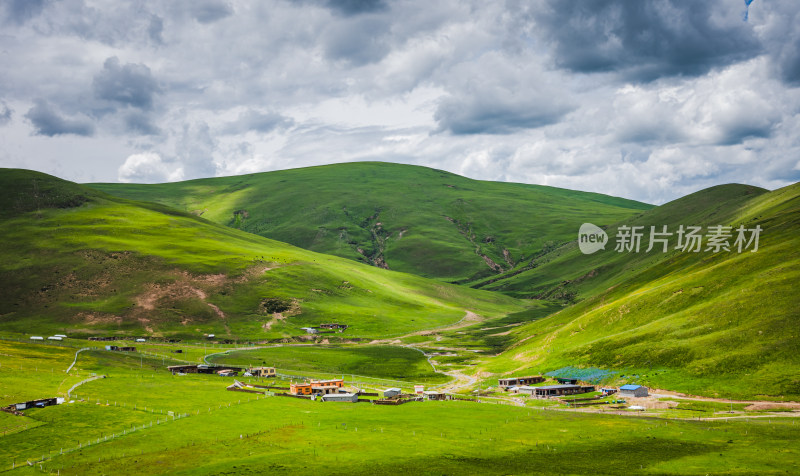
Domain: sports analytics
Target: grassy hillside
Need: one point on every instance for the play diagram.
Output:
(716, 323)
(78, 259)
(407, 218)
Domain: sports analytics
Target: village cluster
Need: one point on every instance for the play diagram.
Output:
(333, 390)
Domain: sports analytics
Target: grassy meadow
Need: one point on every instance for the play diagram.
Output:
(382, 362)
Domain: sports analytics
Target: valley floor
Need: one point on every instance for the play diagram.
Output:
(142, 419)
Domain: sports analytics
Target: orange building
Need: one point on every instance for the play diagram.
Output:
(300, 389)
(339, 383)
(323, 387)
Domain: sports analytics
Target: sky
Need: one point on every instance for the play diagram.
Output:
(647, 99)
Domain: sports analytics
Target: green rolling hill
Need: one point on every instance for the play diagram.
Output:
(77, 259)
(721, 323)
(406, 218)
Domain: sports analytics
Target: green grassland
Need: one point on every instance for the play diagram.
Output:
(387, 362)
(78, 259)
(141, 419)
(233, 433)
(414, 219)
(718, 324)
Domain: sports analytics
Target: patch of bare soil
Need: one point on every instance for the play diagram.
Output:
(276, 316)
(98, 318)
(767, 406)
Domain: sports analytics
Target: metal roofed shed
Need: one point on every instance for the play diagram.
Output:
(37, 338)
(340, 397)
(391, 392)
(632, 391)
(54, 338)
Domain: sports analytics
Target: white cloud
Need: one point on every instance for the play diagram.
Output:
(224, 87)
(149, 167)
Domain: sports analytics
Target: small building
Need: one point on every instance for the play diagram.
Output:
(37, 338)
(300, 388)
(338, 383)
(435, 396)
(567, 380)
(632, 391)
(63, 336)
(54, 338)
(333, 326)
(325, 389)
(210, 336)
(200, 369)
(140, 340)
(262, 371)
(608, 391)
(391, 392)
(112, 347)
(41, 403)
(418, 389)
(556, 390)
(517, 381)
(340, 397)
(127, 349)
(227, 373)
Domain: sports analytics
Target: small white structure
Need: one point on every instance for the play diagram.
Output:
(391, 392)
(61, 335)
(340, 397)
(310, 330)
(140, 340)
(54, 338)
(37, 338)
(210, 336)
(632, 391)
(418, 389)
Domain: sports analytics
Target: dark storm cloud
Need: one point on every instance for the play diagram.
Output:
(783, 39)
(359, 40)
(5, 113)
(788, 62)
(209, 11)
(645, 39)
(140, 124)
(20, 11)
(356, 7)
(258, 122)
(487, 116)
(155, 28)
(130, 85)
(48, 122)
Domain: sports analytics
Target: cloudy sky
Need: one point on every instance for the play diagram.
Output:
(646, 99)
